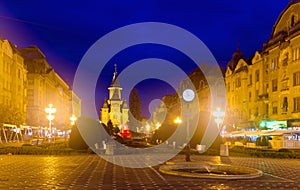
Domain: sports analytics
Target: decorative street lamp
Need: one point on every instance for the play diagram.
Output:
(157, 125)
(50, 110)
(148, 127)
(177, 120)
(188, 96)
(219, 115)
(73, 118)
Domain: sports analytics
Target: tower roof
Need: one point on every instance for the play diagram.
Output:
(115, 81)
(237, 55)
(115, 95)
(105, 104)
(124, 106)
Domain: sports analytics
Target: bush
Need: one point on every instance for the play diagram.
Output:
(76, 141)
(262, 141)
(284, 150)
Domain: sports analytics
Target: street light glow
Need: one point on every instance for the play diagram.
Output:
(157, 125)
(50, 110)
(177, 120)
(218, 114)
(73, 118)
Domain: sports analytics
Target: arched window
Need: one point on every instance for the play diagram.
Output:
(292, 20)
(201, 84)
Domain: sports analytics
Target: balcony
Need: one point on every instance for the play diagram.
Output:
(284, 89)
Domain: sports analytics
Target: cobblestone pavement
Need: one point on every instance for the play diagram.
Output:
(92, 172)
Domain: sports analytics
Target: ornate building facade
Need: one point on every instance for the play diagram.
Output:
(266, 86)
(12, 80)
(46, 87)
(115, 108)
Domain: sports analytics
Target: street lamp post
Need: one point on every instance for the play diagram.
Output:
(177, 120)
(73, 118)
(50, 110)
(188, 96)
(219, 115)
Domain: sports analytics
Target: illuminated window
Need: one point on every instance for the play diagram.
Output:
(274, 64)
(296, 78)
(297, 104)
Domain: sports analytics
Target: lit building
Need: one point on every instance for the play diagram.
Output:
(115, 109)
(76, 104)
(12, 81)
(45, 86)
(267, 85)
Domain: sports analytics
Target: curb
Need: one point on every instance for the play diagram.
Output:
(214, 171)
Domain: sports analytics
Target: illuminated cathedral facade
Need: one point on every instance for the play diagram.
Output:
(115, 108)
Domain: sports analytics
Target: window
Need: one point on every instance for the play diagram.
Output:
(293, 21)
(295, 53)
(19, 74)
(284, 105)
(250, 96)
(201, 84)
(296, 78)
(250, 79)
(228, 87)
(257, 76)
(274, 64)
(297, 104)
(274, 85)
(274, 108)
(285, 59)
(238, 82)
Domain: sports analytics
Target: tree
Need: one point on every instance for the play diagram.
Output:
(110, 128)
(135, 104)
(135, 112)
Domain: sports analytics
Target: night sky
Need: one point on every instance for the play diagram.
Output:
(65, 30)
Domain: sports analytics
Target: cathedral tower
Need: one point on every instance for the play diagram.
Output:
(115, 109)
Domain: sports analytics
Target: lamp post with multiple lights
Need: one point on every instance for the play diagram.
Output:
(50, 110)
(73, 119)
(219, 115)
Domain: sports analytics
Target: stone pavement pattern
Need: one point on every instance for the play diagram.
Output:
(92, 172)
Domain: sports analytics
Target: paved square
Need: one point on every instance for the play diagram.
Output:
(92, 172)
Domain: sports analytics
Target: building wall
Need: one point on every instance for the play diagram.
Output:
(269, 86)
(12, 80)
(46, 87)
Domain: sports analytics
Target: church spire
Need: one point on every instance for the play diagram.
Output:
(115, 82)
(115, 73)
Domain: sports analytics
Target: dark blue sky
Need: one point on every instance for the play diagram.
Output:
(64, 30)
